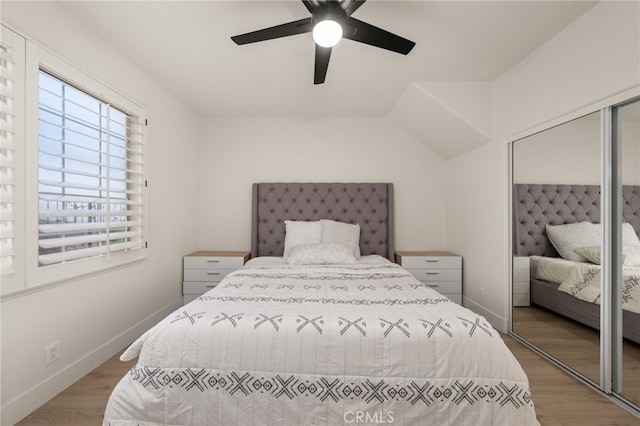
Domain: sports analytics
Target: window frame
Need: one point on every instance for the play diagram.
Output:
(38, 58)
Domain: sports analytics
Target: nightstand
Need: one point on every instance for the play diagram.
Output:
(440, 270)
(203, 270)
(521, 281)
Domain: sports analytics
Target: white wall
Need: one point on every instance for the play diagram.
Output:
(236, 152)
(96, 316)
(592, 59)
(571, 153)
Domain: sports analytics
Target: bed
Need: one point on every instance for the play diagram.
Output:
(299, 343)
(537, 206)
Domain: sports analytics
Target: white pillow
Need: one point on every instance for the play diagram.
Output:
(593, 254)
(321, 254)
(629, 236)
(631, 255)
(300, 232)
(341, 233)
(566, 238)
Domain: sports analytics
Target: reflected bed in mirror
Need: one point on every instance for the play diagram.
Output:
(569, 284)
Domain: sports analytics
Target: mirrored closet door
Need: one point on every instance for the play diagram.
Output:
(626, 289)
(556, 206)
(575, 229)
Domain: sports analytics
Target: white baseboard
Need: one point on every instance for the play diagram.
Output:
(499, 323)
(24, 404)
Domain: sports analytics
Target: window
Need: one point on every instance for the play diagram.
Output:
(85, 165)
(7, 253)
(90, 177)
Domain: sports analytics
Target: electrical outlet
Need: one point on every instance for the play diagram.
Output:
(482, 293)
(51, 353)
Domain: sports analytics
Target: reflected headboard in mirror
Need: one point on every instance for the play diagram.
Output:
(367, 204)
(537, 205)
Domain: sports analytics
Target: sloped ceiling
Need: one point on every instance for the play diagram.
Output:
(451, 118)
(186, 47)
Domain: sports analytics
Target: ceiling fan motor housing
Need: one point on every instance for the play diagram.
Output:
(330, 11)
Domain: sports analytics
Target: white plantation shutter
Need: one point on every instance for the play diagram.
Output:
(6, 162)
(90, 175)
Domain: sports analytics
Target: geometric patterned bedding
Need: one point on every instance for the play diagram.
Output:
(316, 345)
(583, 282)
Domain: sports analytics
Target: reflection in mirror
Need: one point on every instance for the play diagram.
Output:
(628, 131)
(557, 242)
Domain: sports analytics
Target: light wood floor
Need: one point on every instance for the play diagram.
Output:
(577, 345)
(560, 400)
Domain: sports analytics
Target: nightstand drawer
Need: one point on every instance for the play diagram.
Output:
(198, 287)
(213, 262)
(206, 274)
(428, 275)
(521, 274)
(521, 286)
(446, 287)
(431, 262)
(203, 270)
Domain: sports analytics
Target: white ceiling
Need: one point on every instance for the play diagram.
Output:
(186, 47)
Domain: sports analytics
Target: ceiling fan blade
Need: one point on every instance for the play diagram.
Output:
(374, 36)
(283, 30)
(309, 5)
(322, 63)
(355, 5)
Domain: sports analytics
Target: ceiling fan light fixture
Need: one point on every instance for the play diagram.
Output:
(327, 33)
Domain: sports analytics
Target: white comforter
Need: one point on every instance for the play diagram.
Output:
(583, 282)
(317, 345)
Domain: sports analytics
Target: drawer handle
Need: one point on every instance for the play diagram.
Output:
(433, 285)
(211, 285)
(432, 273)
(432, 260)
(213, 260)
(213, 273)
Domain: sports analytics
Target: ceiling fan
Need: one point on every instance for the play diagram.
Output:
(330, 21)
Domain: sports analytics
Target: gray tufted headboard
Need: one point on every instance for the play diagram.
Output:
(535, 206)
(369, 204)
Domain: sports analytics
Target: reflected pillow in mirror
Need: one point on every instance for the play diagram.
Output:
(567, 238)
(630, 255)
(629, 236)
